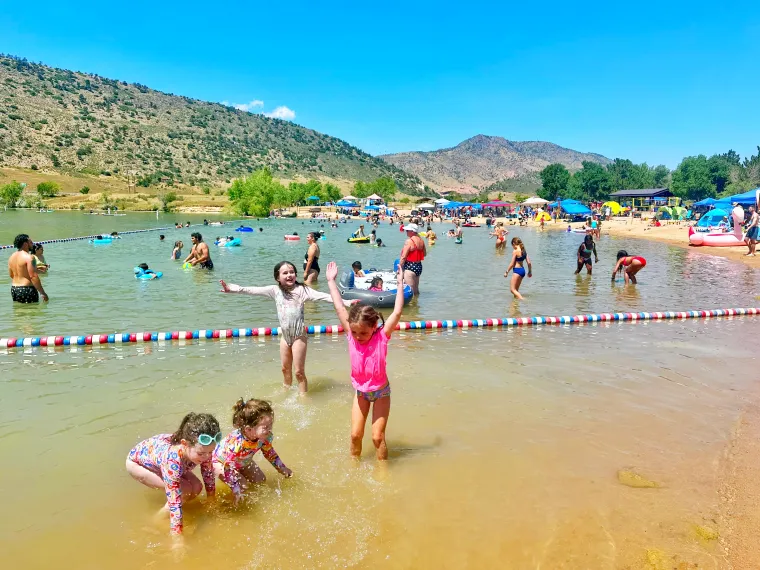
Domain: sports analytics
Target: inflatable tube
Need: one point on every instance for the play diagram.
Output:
(141, 274)
(244, 229)
(364, 239)
(581, 231)
(102, 241)
(726, 239)
(382, 299)
(292, 237)
(233, 243)
(470, 225)
(507, 322)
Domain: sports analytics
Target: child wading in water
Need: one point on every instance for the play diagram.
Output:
(368, 349)
(289, 295)
(167, 461)
(629, 266)
(519, 256)
(233, 458)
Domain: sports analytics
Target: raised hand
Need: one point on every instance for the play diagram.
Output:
(332, 271)
(225, 287)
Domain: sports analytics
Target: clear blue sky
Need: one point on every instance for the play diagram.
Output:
(649, 81)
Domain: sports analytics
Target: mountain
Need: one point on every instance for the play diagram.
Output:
(55, 119)
(483, 160)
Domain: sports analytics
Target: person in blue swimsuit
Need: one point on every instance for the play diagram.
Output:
(519, 259)
(584, 254)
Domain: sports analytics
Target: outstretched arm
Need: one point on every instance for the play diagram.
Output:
(395, 316)
(267, 291)
(332, 273)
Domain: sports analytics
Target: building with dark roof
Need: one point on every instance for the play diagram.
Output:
(643, 193)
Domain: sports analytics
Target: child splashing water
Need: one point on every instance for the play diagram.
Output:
(167, 461)
(233, 459)
(290, 296)
(519, 257)
(367, 348)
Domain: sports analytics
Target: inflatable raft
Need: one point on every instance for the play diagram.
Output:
(352, 287)
(364, 239)
(244, 229)
(101, 241)
(470, 225)
(292, 237)
(722, 239)
(231, 243)
(140, 273)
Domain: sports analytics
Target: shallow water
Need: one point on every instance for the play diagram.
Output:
(505, 444)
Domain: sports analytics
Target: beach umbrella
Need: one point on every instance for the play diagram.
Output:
(543, 216)
(534, 201)
(614, 207)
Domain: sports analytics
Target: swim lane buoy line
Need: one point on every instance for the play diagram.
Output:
(126, 338)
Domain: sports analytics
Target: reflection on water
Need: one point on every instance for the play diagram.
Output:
(505, 445)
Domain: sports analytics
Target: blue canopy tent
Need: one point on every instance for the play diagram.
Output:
(705, 202)
(712, 218)
(575, 209)
(372, 207)
(562, 202)
(346, 204)
(745, 199)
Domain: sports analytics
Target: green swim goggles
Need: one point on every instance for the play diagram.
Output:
(206, 439)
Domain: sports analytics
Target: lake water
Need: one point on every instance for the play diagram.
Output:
(505, 445)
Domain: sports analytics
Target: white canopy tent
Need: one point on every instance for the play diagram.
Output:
(374, 197)
(442, 201)
(535, 201)
(426, 207)
(352, 198)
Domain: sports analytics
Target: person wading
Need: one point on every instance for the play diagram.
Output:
(26, 286)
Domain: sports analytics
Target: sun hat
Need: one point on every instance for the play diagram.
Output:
(411, 228)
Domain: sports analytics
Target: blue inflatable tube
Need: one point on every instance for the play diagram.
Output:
(244, 229)
(141, 274)
(102, 241)
(233, 243)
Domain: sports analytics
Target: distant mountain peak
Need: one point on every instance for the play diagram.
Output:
(482, 160)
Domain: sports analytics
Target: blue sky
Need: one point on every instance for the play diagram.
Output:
(649, 81)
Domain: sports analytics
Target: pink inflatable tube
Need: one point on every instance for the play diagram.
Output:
(722, 239)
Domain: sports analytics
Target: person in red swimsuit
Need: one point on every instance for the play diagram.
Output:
(411, 258)
(629, 265)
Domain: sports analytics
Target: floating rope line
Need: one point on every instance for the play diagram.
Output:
(127, 232)
(127, 338)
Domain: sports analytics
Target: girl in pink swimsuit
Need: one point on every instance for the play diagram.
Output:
(368, 349)
(166, 461)
(233, 458)
(629, 265)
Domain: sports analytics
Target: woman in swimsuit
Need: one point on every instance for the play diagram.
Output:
(311, 260)
(411, 258)
(431, 236)
(629, 265)
(519, 257)
(584, 254)
(290, 296)
(501, 235)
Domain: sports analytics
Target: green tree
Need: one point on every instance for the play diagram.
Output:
(660, 176)
(11, 193)
(554, 180)
(692, 179)
(332, 192)
(625, 175)
(254, 195)
(166, 200)
(48, 189)
(592, 182)
(520, 198)
(384, 187)
(361, 189)
(720, 171)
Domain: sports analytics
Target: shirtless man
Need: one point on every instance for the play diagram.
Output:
(199, 255)
(25, 282)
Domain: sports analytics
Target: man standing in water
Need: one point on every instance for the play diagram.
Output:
(199, 255)
(751, 237)
(25, 282)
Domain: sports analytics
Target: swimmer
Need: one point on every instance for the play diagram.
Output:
(166, 461)
(519, 257)
(177, 251)
(357, 267)
(629, 266)
(199, 254)
(379, 243)
(161, 237)
(38, 255)
(376, 284)
(261, 229)
(372, 237)
(26, 286)
(115, 235)
(431, 237)
(290, 296)
(584, 254)
(368, 350)
(359, 232)
(311, 260)
(147, 271)
(233, 458)
(501, 235)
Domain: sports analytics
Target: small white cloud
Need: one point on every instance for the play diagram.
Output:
(248, 107)
(282, 112)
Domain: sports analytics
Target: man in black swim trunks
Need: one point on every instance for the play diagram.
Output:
(25, 282)
(199, 255)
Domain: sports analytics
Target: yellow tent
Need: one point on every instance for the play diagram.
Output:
(546, 217)
(614, 207)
